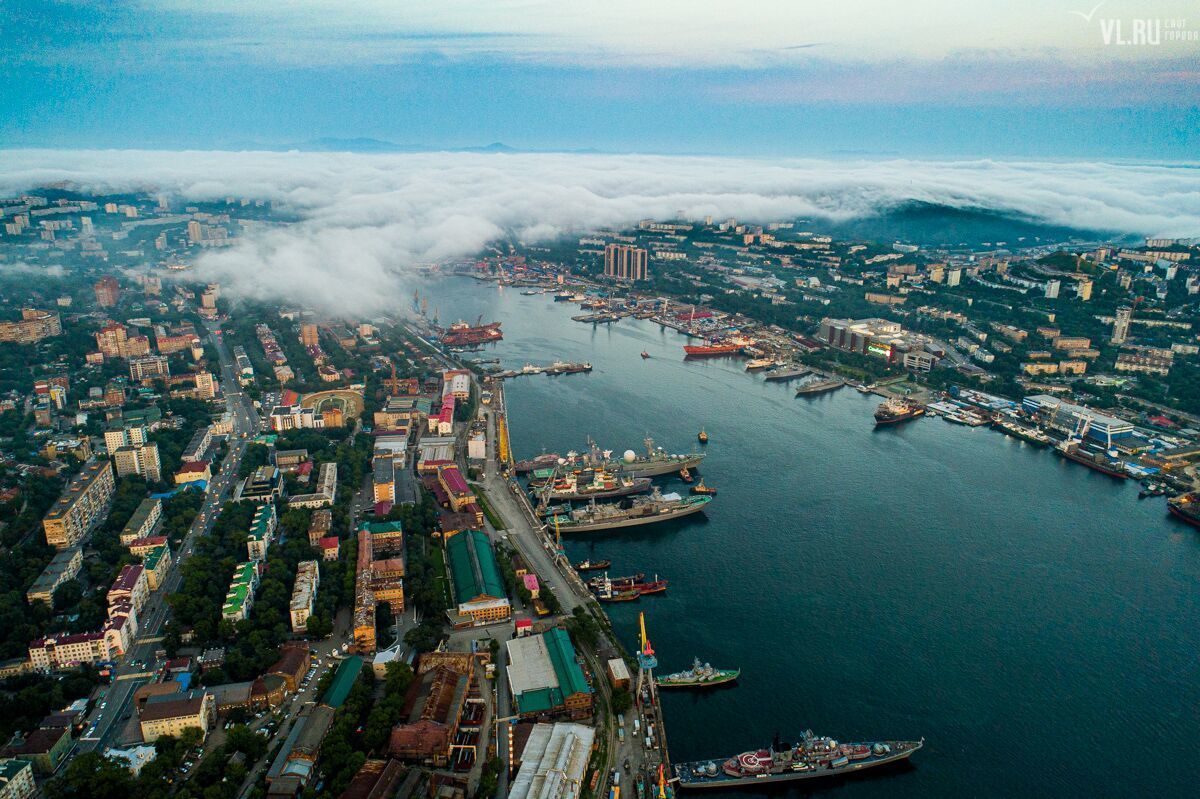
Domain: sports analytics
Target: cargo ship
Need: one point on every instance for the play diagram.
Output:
(1071, 450)
(655, 586)
(1186, 507)
(819, 387)
(781, 374)
(700, 675)
(812, 757)
(461, 334)
(631, 512)
(759, 363)
(611, 593)
(712, 350)
(592, 565)
(563, 368)
(596, 583)
(894, 411)
(656, 461)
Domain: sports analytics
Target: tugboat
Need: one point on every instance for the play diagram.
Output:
(701, 488)
(685, 475)
(702, 436)
(592, 565)
(894, 411)
(700, 675)
(645, 355)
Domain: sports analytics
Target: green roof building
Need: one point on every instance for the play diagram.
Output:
(475, 576)
(343, 680)
(546, 679)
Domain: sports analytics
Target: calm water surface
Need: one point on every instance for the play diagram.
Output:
(1033, 620)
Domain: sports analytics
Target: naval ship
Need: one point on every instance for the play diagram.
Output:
(631, 512)
(814, 756)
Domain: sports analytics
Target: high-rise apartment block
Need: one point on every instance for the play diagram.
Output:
(625, 262)
(107, 290)
(81, 506)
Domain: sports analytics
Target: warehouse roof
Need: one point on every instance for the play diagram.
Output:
(473, 567)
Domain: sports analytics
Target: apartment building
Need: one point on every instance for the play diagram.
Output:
(82, 505)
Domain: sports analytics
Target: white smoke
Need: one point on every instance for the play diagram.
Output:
(364, 220)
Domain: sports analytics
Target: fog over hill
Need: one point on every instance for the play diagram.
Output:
(364, 218)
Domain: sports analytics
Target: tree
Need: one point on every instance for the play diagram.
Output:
(622, 700)
(92, 776)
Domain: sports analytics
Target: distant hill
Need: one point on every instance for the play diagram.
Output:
(931, 224)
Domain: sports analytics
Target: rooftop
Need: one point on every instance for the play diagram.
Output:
(473, 567)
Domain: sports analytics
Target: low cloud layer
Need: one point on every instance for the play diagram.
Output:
(365, 220)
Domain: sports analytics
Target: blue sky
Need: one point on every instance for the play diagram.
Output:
(759, 77)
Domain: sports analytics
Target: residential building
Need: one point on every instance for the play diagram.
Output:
(240, 597)
(1144, 363)
(139, 459)
(475, 577)
(172, 715)
(107, 291)
(304, 594)
(199, 444)
(1121, 324)
(16, 778)
(45, 747)
(1071, 342)
(383, 480)
(62, 651)
(64, 566)
(262, 531)
(329, 546)
(157, 563)
(34, 326)
(143, 521)
(325, 492)
(625, 262)
(131, 586)
(119, 435)
(310, 335)
(319, 525)
(148, 368)
(82, 505)
(544, 677)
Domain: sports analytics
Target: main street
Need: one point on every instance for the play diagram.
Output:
(108, 720)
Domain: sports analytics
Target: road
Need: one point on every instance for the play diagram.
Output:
(109, 718)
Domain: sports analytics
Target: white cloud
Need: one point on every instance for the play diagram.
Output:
(364, 220)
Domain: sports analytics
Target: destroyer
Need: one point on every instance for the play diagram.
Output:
(631, 512)
(700, 675)
(812, 757)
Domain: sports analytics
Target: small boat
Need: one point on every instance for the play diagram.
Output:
(685, 475)
(645, 354)
(592, 565)
(702, 436)
(701, 488)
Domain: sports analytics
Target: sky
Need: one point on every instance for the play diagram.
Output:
(922, 78)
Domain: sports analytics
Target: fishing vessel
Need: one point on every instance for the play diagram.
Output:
(700, 675)
(630, 512)
(610, 593)
(701, 488)
(592, 565)
(462, 334)
(819, 387)
(782, 374)
(1186, 507)
(596, 583)
(895, 410)
(756, 364)
(813, 756)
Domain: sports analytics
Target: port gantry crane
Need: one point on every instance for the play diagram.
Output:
(646, 660)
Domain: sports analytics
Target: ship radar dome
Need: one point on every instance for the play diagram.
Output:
(630, 456)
